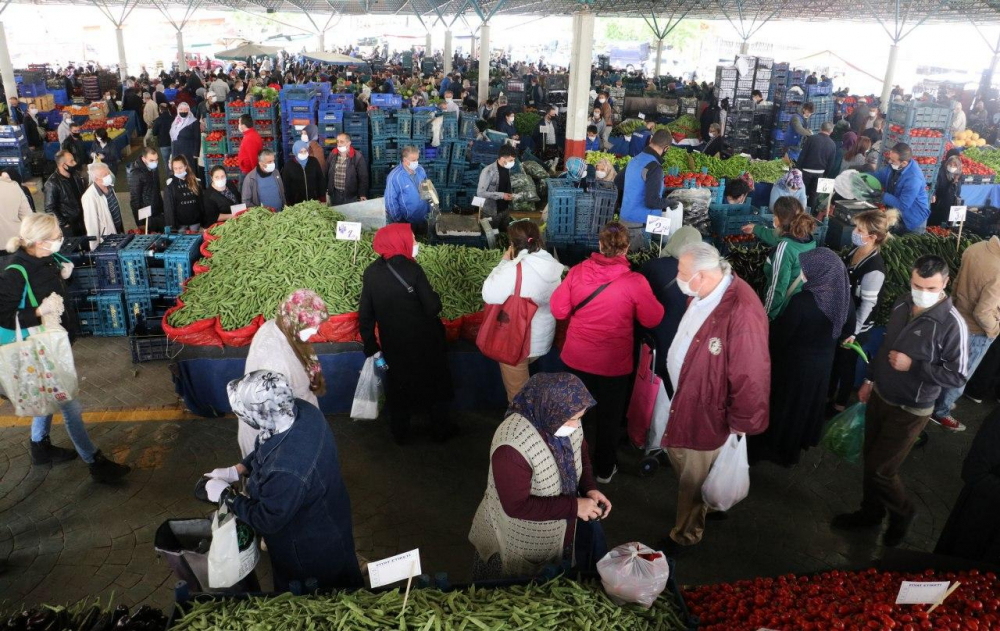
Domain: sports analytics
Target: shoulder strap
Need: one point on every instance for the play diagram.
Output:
(409, 288)
(27, 286)
(586, 301)
(517, 283)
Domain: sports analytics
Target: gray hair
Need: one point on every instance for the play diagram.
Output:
(409, 150)
(264, 153)
(826, 127)
(94, 167)
(705, 257)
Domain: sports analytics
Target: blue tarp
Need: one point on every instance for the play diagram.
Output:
(981, 194)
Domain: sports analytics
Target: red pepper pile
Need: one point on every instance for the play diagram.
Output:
(217, 114)
(700, 179)
(917, 133)
(739, 238)
(215, 135)
(971, 167)
(939, 231)
(845, 600)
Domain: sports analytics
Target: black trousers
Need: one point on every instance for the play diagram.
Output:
(845, 365)
(611, 394)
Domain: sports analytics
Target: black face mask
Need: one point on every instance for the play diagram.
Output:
(76, 134)
(183, 114)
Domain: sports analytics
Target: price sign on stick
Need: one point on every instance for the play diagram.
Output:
(236, 209)
(642, 116)
(825, 186)
(658, 225)
(957, 215)
(478, 202)
(144, 213)
(349, 230)
(921, 592)
(398, 568)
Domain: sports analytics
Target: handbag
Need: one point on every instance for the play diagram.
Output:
(505, 335)
(644, 392)
(9, 335)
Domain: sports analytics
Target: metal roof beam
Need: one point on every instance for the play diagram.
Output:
(478, 9)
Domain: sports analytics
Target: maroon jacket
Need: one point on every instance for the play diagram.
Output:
(725, 382)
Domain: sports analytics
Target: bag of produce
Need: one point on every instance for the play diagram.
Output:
(845, 435)
(367, 394)
(696, 201)
(523, 188)
(634, 573)
(729, 480)
(233, 553)
(535, 170)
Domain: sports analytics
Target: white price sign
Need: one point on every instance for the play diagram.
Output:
(236, 209)
(921, 593)
(478, 202)
(145, 212)
(642, 116)
(824, 186)
(957, 214)
(349, 230)
(658, 225)
(393, 569)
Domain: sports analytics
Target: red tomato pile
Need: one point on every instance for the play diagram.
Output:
(237, 103)
(739, 238)
(231, 161)
(939, 231)
(971, 167)
(925, 160)
(215, 135)
(700, 179)
(217, 114)
(845, 600)
(917, 133)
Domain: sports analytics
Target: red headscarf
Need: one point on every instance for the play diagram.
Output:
(396, 239)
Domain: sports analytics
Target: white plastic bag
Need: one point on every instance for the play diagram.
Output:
(729, 480)
(38, 373)
(233, 553)
(633, 573)
(368, 393)
(658, 425)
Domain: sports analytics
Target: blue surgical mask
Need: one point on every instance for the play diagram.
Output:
(857, 239)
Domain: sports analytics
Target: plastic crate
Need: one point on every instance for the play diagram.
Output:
(215, 147)
(134, 261)
(356, 123)
(327, 117)
(341, 99)
(404, 122)
(83, 281)
(485, 152)
(379, 174)
(233, 143)
(985, 224)
(266, 128)
(216, 123)
(422, 123)
(467, 125)
(77, 250)
(561, 222)
(86, 314)
(727, 221)
(921, 146)
(978, 179)
(920, 114)
(819, 90)
(297, 93)
(178, 261)
(456, 175)
(387, 100)
(138, 307)
(148, 348)
(111, 318)
(438, 174)
(449, 129)
(235, 111)
(293, 108)
(105, 257)
(383, 151)
(265, 112)
(605, 196)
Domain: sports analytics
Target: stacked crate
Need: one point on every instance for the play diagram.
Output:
(784, 109)
(576, 217)
(299, 107)
(31, 83)
(330, 118)
(925, 127)
(233, 139)
(748, 127)
(14, 150)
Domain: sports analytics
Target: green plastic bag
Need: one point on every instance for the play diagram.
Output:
(845, 435)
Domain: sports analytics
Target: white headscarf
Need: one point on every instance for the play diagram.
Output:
(264, 401)
(180, 122)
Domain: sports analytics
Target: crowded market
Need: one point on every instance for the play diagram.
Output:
(392, 335)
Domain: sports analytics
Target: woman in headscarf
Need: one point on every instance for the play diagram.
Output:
(803, 340)
(295, 494)
(303, 177)
(540, 487)
(311, 136)
(63, 131)
(282, 345)
(789, 186)
(185, 134)
(397, 297)
(948, 189)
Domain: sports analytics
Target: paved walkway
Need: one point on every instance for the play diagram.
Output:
(65, 538)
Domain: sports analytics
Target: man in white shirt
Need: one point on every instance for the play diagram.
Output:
(451, 107)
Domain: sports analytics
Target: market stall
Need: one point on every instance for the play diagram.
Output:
(125, 121)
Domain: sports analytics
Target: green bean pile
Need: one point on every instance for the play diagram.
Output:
(261, 257)
(558, 604)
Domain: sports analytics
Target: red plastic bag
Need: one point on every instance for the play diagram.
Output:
(452, 329)
(204, 249)
(471, 324)
(198, 268)
(505, 335)
(339, 328)
(241, 336)
(200, 333)
(644, 392)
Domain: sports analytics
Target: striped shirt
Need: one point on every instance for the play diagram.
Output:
(114, 209)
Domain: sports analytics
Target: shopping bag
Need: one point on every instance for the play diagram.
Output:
(233, 553)
(729, 480)
(845, 435)
(368, 393)
(661, 415)
(38, 374)
(505, 335)
(643, 400)
(633, 573)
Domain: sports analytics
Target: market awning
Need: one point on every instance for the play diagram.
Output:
(247, 50)
(335, 59)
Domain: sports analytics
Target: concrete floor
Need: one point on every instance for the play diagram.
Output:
(65, 538)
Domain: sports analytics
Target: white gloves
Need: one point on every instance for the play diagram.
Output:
(214, 489)
(226, 474)
(66, 270)
(53, 306)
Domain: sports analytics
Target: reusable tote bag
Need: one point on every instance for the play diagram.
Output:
(37, 373)
(505, 335)
(233, 553)
(644, 392)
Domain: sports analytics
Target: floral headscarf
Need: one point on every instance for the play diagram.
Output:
(304, 309)
(264, 401)
(793, 180)
(548, 400)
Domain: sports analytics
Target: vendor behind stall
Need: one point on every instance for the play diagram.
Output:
(494, 185)
(643, 187)
(402, 192)
(904, 188)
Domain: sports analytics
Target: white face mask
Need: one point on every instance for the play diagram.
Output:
(925, 299)
(342, 149)
(509, 165)
(416, 248)
(55, 245)
(180, 175)
(602, 174)
(414, 165)
(510, 120)
(600, 100)
(448, 100)
(564, 431)
(304, 137)
(895, 167)
(305, 334)
(152, 165)
(685, 287)
(952, 170)
(219, 183)
(268, 168)
(32, 110)
(304, 156)
(108, 180)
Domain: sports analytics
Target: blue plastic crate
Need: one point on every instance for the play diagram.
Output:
(59, 97)
(384, 151)
(31, 90)
(134, 261)
(178, 260)
(83, 281)
(105, 257)
(294, 108)
(264, 112)
(438, 174)
(561, 221)
(485, 152)
(328, 116)
(422, 123)
(387, 100)
(379, 173)
(459, 151)
(819, 90)
(456, 175)
(86, 313)
(171, 94)
(920, 145)
(216, 123)
(404, 122)
(234, 111)
(138, 306)
(447, 197)
(449, 128)
(111, 318)
(344, 99)
(467, 125)
(298, 93)
(605, 196)
(77, 250)
(920, 114)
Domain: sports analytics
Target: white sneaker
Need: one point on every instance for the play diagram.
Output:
(973, 399)
(608, 479)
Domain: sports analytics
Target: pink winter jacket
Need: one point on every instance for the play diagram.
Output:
(600, 335)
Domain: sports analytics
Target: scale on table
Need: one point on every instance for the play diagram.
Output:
(453, 225)
(845, 210)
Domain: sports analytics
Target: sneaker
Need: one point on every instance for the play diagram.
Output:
(921, 440)
(857, 520)
(973, 399)
(605, 480)
(949, 423)
(104, 470)
(43, 452)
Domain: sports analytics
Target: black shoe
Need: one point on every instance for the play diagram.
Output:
(671, 548)
(43, 452)
(444, 433)
(717, 515)
(921, 440)
(104, 470)
(857, 520)
(896, 532)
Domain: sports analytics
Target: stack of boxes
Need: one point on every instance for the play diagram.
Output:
(748, 127)
(925, 127)
(823, 102)
(388, 137)
(14, 150)
(299, 108)
(31, 83)
(576, 217)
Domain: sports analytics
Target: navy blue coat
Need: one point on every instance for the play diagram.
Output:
(661, 274)
(298, 503)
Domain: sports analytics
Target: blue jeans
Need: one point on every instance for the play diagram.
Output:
(921, 229)
(72, 413)
(165, 157)
(978, 345)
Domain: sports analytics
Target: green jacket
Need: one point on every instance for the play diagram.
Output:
(781, 268)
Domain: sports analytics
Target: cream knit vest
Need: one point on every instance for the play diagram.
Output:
(525, 547)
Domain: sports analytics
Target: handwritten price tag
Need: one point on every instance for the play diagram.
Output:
(921, 593)
(658, 225)
(824, 186)
(349, 230)
(393, 569)
(957, 214)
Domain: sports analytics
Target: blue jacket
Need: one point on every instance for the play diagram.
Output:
(402, 198)
(908, 194)
(445, 86)
(593, 145)
(634, 203)
(780, 190)
(296, 499)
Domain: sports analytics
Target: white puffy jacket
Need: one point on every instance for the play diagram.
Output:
(540, 275)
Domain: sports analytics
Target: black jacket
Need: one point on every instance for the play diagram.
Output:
(75, 147)
(43, 274)
(62, 199)
(181, 206)
(188, 142)
(144, 190)
(661, 274)
(303, 183)
(31, 132)
(818, 153)
(356, 180)
(161, 129)
(216, 204)
(946, 194)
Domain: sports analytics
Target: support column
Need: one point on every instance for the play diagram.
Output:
(579, 84)
(181, 61)
(890, 70)
(122, 63)
(659, 55)
(484, 63)
(448, 53)
(322, 41)
(429, 46)
(6, 67)
(745, 47)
